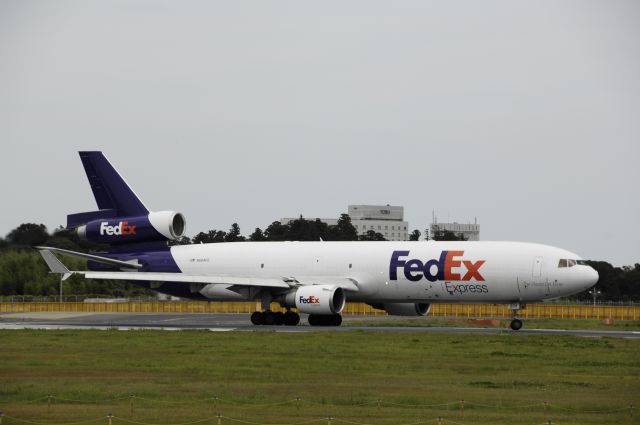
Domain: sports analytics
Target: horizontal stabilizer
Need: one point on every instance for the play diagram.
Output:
(90, 257)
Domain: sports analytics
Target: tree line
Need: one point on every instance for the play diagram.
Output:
(23, 272)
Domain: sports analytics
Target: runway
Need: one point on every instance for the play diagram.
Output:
(240, 322)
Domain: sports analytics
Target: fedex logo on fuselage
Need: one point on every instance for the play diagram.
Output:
(122, 228)
(448, 267)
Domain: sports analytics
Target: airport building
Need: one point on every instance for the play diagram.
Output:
(387, 220)
(471, 232)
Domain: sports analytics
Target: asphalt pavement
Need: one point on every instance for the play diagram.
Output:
(241, 322)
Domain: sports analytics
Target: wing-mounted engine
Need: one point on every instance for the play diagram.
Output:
(317, 299)
(404, 309)
(152, 227)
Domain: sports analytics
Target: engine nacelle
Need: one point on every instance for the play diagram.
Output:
(156, 226)
(404, 309)
(317, 299)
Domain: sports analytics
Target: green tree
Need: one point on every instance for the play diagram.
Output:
(233, 235)
(211, 236)
(615, 283)
(277, 232)
(447, 235)
(307, 230)
(28, 234)
(257, 236)
(372, 235)
(415, 235)
(343, 230)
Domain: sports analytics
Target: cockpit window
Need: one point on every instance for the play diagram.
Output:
(570, 262)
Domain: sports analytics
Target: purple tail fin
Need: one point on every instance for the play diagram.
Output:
(113, 196)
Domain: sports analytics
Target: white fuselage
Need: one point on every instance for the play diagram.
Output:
(409, 272)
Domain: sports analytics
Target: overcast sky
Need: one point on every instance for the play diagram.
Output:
(525, 115)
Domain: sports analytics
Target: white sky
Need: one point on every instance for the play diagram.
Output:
(524, 114)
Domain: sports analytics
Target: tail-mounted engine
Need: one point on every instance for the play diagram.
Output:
(404, 309)
(153, 227)
(316, 299)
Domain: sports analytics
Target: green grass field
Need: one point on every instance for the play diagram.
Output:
(586, 324)
(504, 379)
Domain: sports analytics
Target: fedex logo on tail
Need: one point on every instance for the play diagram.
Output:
(122, 228)
(448, 267)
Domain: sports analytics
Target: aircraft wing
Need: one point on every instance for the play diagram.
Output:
(346, 283)
(187, 278)
(56, 266)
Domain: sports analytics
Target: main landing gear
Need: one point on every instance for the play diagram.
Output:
(325, 319)
(516, 323)
(271, 318)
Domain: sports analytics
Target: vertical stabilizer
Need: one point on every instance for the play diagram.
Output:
(109, 189)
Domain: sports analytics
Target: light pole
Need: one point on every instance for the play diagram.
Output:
(595, 293)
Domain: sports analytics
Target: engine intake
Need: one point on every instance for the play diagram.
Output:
(404, 309)
(317, 299)
(156, 226)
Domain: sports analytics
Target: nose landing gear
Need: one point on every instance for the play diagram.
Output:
(516, 323)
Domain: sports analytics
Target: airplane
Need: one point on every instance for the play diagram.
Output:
(403, 278)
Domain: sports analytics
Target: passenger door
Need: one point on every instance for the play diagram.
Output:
(539, 282)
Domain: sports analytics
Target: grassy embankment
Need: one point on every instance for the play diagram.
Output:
(175, 376)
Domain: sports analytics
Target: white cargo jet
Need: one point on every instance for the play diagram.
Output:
(315, 278)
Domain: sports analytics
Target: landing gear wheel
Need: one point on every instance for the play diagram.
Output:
(325, 320)
(291, 318)
(278, 318)
(257, 318)
(269, 318)
(515, 324)
(315, 320)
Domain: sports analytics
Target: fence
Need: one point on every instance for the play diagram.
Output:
(532, 311)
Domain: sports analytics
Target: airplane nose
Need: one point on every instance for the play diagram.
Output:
(591, 276)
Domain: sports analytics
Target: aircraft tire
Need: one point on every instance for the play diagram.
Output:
(257, 318)
(325, 320)
(269, 318)
(278, 318)
(516, 324)
(315, 320)
(291, 318)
